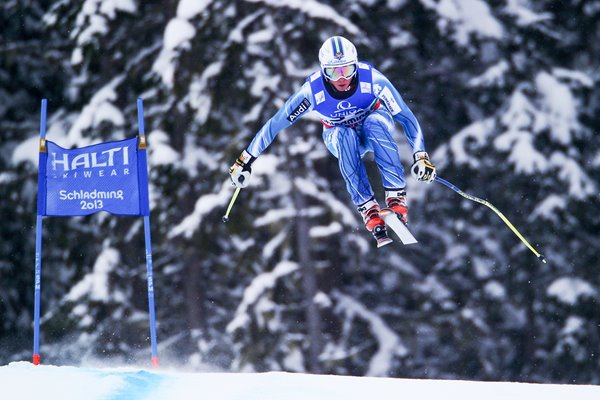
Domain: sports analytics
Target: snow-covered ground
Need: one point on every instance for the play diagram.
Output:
(23, 381)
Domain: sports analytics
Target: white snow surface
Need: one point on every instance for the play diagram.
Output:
(466, 18)
(95, 284)
(160, 150)
(92, 21)
(389, 344)
(477, 133)
(189, 9)
(181, 29)
(559, 107)
(568, 290)
(99, 109)
(204, 205)
(256, 291)
(24, 381)
(177, 35)
(520, 9)
(549, 207)
(314, 8)
(27, 151)
(494, 75)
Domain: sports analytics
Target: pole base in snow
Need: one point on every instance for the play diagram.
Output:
(36, 359)
(155, 362)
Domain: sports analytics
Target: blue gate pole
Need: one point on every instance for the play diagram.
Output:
(37, 287)
(38, 237)
(146, 213)
(150, 291)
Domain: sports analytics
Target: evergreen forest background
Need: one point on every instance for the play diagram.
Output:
(506, 93)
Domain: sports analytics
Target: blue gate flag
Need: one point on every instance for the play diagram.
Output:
(109, 176)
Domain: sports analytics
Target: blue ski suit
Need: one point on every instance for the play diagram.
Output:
(353, 126)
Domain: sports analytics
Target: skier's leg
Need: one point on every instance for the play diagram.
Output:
(343, 143)
(377, 130)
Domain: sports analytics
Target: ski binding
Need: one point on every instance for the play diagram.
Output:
(393, 221)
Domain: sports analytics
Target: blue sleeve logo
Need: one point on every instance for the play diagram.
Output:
(299, 110)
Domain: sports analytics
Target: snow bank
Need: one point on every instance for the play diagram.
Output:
(25, 381)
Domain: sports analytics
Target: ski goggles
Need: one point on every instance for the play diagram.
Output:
(336, 73)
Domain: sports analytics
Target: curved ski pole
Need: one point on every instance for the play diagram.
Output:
(490, 205)
(230, 206)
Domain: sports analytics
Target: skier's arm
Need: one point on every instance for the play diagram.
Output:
(295, 107)
(422, 168)
(395, 104)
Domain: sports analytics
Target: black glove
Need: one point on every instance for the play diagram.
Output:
(241, 169)
(422, 169)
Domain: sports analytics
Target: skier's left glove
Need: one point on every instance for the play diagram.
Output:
(241, 169)
(422, 169)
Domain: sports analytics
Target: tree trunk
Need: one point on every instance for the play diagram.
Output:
(195, 299)
(309, 278)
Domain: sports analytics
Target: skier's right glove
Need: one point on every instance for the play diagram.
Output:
(241, 169)
(422, 169)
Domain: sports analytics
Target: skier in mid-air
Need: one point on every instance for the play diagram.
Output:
(357, 105)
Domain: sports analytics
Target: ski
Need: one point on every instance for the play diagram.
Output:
(393, 221)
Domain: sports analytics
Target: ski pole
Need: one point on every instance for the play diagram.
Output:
(490, 205)
(235, 195)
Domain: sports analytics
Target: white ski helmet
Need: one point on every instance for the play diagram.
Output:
(337, 51)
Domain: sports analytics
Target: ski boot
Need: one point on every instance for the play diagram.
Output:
(373, 222)
(396, 201)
